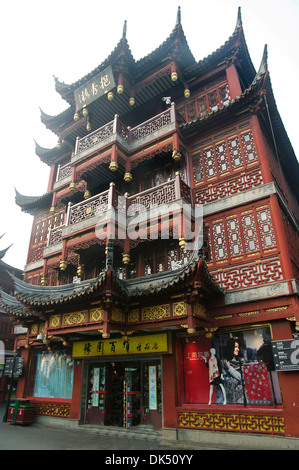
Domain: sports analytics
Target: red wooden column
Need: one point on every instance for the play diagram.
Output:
(76, 399)
(22, 380)
(169, 391)
(281, 238)
(261, 150)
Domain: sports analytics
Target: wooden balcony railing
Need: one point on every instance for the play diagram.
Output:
(97, 205)
(113, 128)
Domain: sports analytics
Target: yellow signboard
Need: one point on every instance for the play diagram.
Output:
(119, 346)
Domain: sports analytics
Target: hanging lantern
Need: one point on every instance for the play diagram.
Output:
(85, 111)
(120, 89)
(110, 96)
(87, 194)
(126, 258)
(76, 117)
(174, 76)
(187, 93)
(88, 126)
(63, 265)
(52, 210)
(80, 271)
(72, 187)
(113, 166)
(58, 145)
(182, 242)
(132, 101)
(43, 281)
(128, 177)
(176, 155)
(191, 331)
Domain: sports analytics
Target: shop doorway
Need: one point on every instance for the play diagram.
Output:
(124, 393)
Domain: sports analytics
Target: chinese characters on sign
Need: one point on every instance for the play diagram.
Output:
(134, 345)
(94, 88)
(286, 354)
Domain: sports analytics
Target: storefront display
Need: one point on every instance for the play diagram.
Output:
(233, 367)
(123, 393)
(51, 375)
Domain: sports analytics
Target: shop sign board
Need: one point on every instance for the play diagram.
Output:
(286, 354)
(16, 369)
(151, 344)
(94, 88)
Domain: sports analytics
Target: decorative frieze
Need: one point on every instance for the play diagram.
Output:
(156, 312)
(249, 275)
(75, 318)
(234, 422)
(231, 185)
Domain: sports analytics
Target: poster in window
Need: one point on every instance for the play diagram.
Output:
(152, 377)
(234, 367)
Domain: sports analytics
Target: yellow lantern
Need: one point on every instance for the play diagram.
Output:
(128, 177)
(126, 258)
(113, 166)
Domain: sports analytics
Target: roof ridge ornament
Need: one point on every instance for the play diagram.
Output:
(264, 63)
(125, 29)
(178, 17)
(239, 20)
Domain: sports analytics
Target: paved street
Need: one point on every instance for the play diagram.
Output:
(33, 437)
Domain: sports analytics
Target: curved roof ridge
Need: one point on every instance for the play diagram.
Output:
(178, 29)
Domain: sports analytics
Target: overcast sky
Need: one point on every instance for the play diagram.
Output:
(69, 38)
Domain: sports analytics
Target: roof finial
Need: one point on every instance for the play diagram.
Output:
(239, 19)
(264, 63)
(178, 17)
(125, 29)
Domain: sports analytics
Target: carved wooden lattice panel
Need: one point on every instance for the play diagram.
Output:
(249, 147)
(89, 208)
(222, 158)
(266, 228)
(249, 275)
(210, 164)
(234, 236)
(155, 312)
(155, 124)
(220, 245)
(95, 137)
(235, 152)
(229, 186)
(250, 232)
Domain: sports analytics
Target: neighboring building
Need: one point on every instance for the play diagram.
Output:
(7, 337)
(128, 321)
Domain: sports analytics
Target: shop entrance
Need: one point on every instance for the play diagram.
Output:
(124, 393)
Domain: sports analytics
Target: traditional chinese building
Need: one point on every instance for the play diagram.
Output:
(136, 312)
(7, 337)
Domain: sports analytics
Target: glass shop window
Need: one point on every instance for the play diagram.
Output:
(233, 367)
(51, 375)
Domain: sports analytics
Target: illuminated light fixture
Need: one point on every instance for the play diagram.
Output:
(110, 96)
(76, 117)
(132, 101)
(187, 93)
(85, 111)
